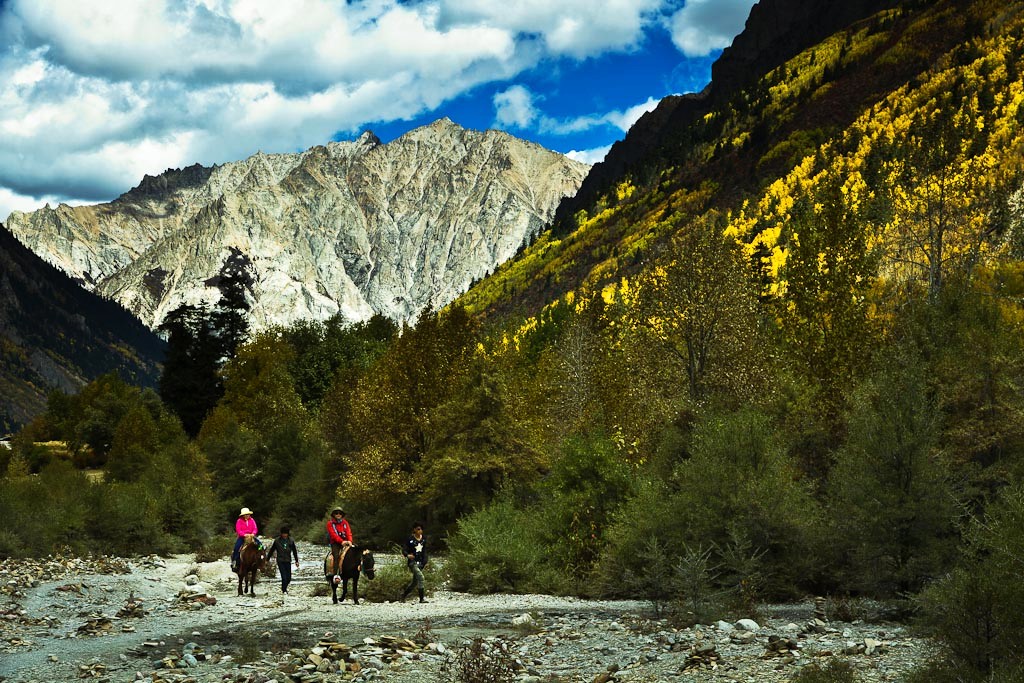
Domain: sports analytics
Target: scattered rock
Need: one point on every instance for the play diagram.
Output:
(96, 625)
(819, 609)
(747, 625)
(815, 626)
(743, 637)
(702, 656)
(132, 608)
(523, 620)
(782, 647)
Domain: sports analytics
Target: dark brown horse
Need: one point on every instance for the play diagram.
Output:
(356, 560)
(251, 559)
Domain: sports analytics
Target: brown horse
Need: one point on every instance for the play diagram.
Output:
(251, 559)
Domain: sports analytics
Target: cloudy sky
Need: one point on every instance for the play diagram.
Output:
(97, 93)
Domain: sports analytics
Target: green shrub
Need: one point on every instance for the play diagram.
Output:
(124, 519)
(82, 516)
(738, 495)
(388, 583)
(391, 580)
(494, 550)
(213, 550)
(974, 611)
(945, 671)
(10, 544)
(940, 671)
(891, 504)
(624, 570)
(835, 671)
(481, 661)
(576, 501)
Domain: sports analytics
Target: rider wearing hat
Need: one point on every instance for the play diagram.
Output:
(243, 527)
(340, 535)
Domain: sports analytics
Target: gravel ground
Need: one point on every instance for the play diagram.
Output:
(59, 622)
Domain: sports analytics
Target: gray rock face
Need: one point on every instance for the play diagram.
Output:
(354, 228)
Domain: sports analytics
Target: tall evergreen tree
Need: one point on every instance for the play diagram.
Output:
(231, 317)
(190, 384)
(199, 342)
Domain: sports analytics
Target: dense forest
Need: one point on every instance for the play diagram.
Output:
(790, 363)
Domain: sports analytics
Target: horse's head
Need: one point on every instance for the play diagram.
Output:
(367, 565)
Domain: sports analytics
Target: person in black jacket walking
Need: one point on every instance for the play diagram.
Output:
(285, 548)
(416, 559)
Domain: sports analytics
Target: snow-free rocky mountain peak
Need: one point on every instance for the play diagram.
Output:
(354, 228)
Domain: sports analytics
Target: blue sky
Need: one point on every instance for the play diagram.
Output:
(98, 93)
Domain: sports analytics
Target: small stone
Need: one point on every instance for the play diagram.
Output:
(523, 620)
(743, 637)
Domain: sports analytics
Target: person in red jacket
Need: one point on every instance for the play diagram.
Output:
(340, 534)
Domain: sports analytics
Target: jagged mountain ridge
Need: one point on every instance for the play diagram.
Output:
(56, 335)
(351, 228)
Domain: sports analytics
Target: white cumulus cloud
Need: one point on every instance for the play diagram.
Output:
(514, 108)
(575, 28)
(703, 26)
(589, 156)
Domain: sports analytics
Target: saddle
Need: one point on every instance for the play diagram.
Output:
(250, 539)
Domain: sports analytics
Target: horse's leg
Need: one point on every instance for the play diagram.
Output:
(240, 574)
(334, 591)
(355, 589)
(344, 589)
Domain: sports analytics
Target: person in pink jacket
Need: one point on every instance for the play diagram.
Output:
(244, 526)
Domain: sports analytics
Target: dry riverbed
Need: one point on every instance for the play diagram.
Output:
(171, 619)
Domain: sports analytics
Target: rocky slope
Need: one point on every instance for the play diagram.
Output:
(55, 335)
(354, 228)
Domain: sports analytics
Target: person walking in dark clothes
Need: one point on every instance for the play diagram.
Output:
(285, 548)
(416, 559)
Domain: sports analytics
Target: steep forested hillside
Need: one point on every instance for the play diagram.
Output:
(722, 149)
(55, 335)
